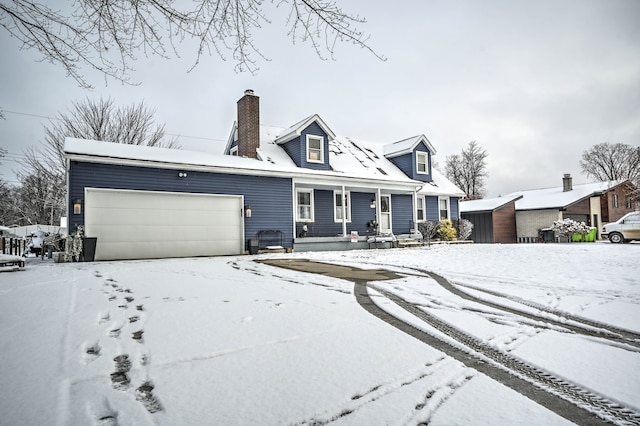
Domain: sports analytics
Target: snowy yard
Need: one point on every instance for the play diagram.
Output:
(226, 341)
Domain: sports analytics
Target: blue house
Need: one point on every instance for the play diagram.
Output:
(301, 188)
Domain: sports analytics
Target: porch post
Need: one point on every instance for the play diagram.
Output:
(415, 211)
(344, 213)
(378, 211)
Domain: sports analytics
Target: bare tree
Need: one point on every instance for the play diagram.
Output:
(101, 120)
(38, 200)
(613, 162)
(108, 35)
(468, 170)
(8, 213)
(607, 161)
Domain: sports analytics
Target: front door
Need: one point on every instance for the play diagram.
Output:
(385, 214)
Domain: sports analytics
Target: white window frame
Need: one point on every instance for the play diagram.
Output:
(448, 201)
(347, 195)
(321, 150)
(425, 155)
(420, 208)
(234, 150)
(615, 201)
(311, 206)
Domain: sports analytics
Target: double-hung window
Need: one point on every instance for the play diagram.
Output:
(420, 209)
(443, 203)
(342, 206)
(422, 163)
(315, 149)
(304, 205)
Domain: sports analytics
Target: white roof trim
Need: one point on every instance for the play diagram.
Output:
(232, 137)
(296, 130)
(406, 146)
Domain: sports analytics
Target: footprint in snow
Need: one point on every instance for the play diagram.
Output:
(104, 414)
(103, 317)
(91, 351)
(137, 335)
(144, 394)
(119, 378)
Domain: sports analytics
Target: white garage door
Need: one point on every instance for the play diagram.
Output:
(149, 225)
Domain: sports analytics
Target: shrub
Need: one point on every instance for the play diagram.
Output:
(464, 228)
(446, 230)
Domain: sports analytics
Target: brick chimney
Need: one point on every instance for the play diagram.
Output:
(248, 125)
(567, 182)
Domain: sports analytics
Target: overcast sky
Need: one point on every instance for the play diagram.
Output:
(535, 83)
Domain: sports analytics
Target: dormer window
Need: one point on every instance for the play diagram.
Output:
(234, 151)
(315, 149)
(422, 163)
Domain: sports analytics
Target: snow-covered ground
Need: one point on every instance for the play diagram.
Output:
(224, 341)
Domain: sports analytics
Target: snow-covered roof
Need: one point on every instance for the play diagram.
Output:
(296, 130)
(487, 204)
(556, 197)
(349, 159)
(405, 146)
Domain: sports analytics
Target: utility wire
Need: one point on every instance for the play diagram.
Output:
(56, 118)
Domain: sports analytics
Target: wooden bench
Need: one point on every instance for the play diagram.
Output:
(381, 239)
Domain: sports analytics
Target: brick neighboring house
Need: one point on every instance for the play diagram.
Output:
(594, 204)
(616, 202)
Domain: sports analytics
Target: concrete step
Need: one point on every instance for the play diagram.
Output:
(405, 243)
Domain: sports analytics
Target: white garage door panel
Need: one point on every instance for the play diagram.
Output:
(143, 224)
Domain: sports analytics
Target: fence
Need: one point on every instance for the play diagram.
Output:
(15, 246)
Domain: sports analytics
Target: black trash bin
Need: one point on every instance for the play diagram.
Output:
(253, 246)
(548, 235)
(89, 248)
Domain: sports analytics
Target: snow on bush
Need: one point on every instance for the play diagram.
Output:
(464, 229)
(569, 227)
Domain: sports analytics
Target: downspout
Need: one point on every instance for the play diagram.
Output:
(295, 212)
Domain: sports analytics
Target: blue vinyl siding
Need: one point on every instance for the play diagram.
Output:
(324, 224)
(401, 213)
(433, 208)
(455, 208)
(270, 198)
(417, 176)
(433, 212)
(297, 148)
(407, 163)
(294, 149)
(404, 163)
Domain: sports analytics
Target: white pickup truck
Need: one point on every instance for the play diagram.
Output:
(623, 230)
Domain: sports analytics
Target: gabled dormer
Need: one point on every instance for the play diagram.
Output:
(307, 143)
(232, 142)
(412, 156)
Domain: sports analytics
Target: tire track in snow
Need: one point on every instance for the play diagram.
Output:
(524, 378)
(583, 326)
(563, 398)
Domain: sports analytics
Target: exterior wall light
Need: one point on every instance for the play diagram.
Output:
(182, 174)
(247, 211)
(77, 206)
(372, 204)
